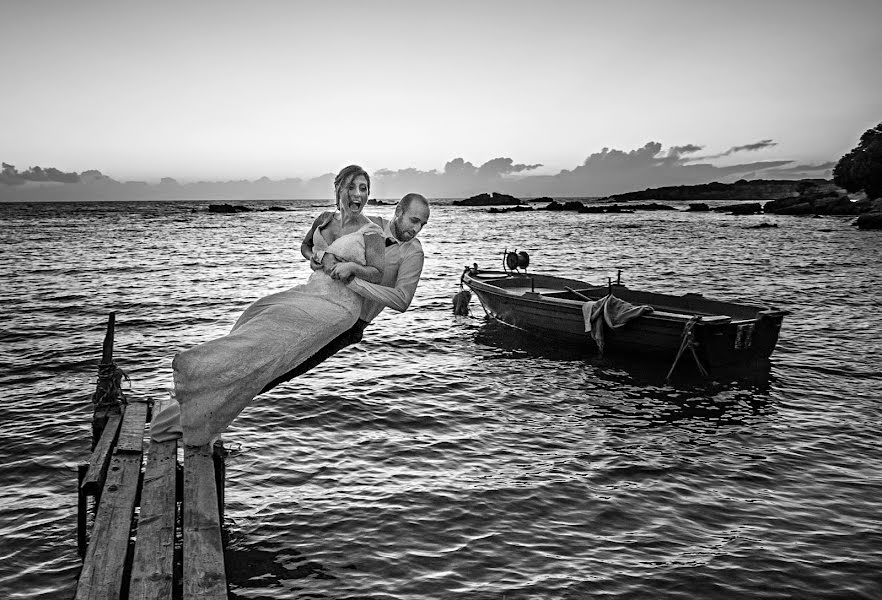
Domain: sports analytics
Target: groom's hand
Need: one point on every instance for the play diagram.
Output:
(343, 271)
(314, 263)
(326, 264)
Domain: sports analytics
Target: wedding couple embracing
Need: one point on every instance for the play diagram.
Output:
(360, 265)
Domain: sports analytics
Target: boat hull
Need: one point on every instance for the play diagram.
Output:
(542, 305)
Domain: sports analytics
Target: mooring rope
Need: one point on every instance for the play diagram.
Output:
(688, 341)
(109, 388)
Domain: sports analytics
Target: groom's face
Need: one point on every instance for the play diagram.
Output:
(407, 224)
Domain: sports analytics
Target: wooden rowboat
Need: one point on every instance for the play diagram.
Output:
(715, 332)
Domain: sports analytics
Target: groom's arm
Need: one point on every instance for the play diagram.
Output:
(400, 296)
(375, 262)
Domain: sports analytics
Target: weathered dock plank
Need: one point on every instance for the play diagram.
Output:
(102, 573)
(204, 574)
(100, 458)
(131, 435)
(153, 562)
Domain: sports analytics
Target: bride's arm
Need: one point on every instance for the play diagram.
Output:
(375, 259)
(306, 245)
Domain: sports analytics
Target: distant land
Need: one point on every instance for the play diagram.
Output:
(801, 197)
(94, 186)
(602, 173)
(757, 189)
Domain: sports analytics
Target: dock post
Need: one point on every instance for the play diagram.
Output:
(108, 393)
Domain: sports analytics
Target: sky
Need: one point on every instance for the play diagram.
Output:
(545, 97)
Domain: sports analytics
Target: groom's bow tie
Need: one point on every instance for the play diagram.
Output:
(390, 241)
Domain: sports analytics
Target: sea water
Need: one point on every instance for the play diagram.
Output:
(448, 456)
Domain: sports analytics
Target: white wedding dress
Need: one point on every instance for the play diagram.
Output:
(216, 380)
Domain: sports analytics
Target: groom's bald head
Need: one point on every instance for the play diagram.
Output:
(411, 215)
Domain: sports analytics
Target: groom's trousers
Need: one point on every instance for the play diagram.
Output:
(353, 335)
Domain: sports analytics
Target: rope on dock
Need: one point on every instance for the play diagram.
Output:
(108, 391)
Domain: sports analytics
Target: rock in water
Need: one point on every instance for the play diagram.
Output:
(869, 221)
(496, 199)
(227, 208)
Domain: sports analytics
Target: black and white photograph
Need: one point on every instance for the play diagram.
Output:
(421, 300)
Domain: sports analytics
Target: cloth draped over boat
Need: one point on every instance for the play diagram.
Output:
(609, 311)
(216, 380)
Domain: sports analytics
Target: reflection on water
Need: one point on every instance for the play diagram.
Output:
(508, 342)
(452, 457)
(264, 569)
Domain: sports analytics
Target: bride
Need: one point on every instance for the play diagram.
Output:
(216, 380)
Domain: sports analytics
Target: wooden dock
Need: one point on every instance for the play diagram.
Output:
(158, 510)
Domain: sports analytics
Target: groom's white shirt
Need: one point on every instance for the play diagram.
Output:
(404, 265)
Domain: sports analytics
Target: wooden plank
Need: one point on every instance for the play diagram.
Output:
(152, 566)
(102, 574)
(204, 575)
(101, 457)
(131, 436)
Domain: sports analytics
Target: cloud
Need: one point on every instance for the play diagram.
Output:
(608, 159)
(616, 171)
(825, 166)
(677, 152)
(458, 167)
(459, 178)
(760, 145)
(609, 171)
(650, 156)
(503, 166)
(743, 168)
(10, 175)
(822, 170)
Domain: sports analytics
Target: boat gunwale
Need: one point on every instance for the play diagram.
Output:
(476, 280)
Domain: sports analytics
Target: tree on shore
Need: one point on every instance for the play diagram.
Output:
(861, 168)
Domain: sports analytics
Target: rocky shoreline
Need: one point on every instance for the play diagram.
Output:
(812, 197)
(757, 189)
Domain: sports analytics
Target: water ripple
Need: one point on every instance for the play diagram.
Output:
(449, 457)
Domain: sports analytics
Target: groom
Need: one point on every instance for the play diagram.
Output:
(404, 265)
